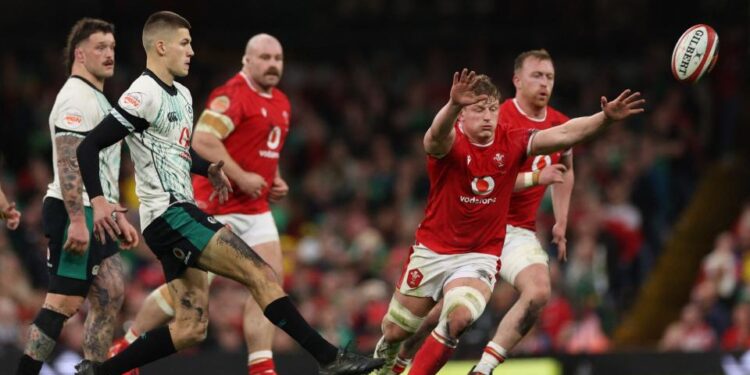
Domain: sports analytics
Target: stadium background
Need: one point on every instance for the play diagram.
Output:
(659, 228)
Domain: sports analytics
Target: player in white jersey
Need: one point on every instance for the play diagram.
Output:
(78, 266)
(155, 114)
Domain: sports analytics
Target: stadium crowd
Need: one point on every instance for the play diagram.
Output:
(356, 169)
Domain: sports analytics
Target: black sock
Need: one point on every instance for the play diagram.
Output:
(149, 347)
(49, 324)
(283, 314)
(29, 366)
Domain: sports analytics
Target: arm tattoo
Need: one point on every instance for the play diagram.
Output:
(71, 184)
(40, 345)
(105, 296)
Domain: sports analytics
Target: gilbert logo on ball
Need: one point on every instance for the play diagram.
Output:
(695, 53)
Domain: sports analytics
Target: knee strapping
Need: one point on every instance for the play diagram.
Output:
(466, 296)
(402, 317)
(162, 302)
(50, 323)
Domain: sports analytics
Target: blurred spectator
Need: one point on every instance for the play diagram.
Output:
(690, 333)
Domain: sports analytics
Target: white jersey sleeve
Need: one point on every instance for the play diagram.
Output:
(139, 106)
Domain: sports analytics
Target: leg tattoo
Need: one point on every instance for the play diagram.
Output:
(105, 296)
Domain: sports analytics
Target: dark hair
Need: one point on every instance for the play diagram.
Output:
(163, 19)
(540, 54)
(484, 86)
(80, 32)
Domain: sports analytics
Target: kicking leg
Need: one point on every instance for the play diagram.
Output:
(227, 255)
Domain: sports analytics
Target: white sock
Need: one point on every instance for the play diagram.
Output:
(130, 336)
(259, 355)
(492, 356)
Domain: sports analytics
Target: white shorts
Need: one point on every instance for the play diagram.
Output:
(253, 229)
(521, 249)
(426, 271)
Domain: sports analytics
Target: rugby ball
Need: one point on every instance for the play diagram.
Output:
(695, 54)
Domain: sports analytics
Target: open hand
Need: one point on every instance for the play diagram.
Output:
(105, 220)
(462, 91)
(623, 106)
(219, 181)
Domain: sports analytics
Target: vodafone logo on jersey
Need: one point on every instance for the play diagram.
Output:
(482, 185)
(540, 161)
(131, 100)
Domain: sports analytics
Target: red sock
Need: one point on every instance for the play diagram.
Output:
(262, 367)
(433, 354)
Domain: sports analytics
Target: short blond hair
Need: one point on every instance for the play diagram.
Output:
(540, 54)
(484, 86)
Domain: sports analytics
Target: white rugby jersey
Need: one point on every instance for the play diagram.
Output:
(79, 108)
(160, 120)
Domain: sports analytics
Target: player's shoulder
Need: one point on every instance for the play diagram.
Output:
(183, 90)
(145, 84)
(279, 94)
(76, 90)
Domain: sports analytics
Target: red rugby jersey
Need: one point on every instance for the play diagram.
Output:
(470, 190)
(524, 204)
(253, 128)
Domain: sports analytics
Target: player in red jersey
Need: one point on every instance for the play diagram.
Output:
(525, 262)
(244, 124)
(472, 165)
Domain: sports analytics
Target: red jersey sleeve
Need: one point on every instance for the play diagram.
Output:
(222, 114)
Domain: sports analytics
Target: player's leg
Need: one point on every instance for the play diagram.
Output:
(420, 286)
(464, 301)
(465, 295)
(259, 330)
(45, 330)
(260, 233)
(525, 266)
(188, 328)
(105, 299)
(70, 279)
(402, 320)
(410, 346)
(227, 255)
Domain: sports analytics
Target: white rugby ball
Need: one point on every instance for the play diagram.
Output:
(695, 54)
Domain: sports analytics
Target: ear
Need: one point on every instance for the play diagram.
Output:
(245, 59)
(161, 47)
(516, 80)
(78, 55)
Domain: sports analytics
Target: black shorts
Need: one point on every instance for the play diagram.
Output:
(178, 236)
(71, 274)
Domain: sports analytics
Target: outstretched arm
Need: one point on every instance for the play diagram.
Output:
(580, 129)
(440, 136)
